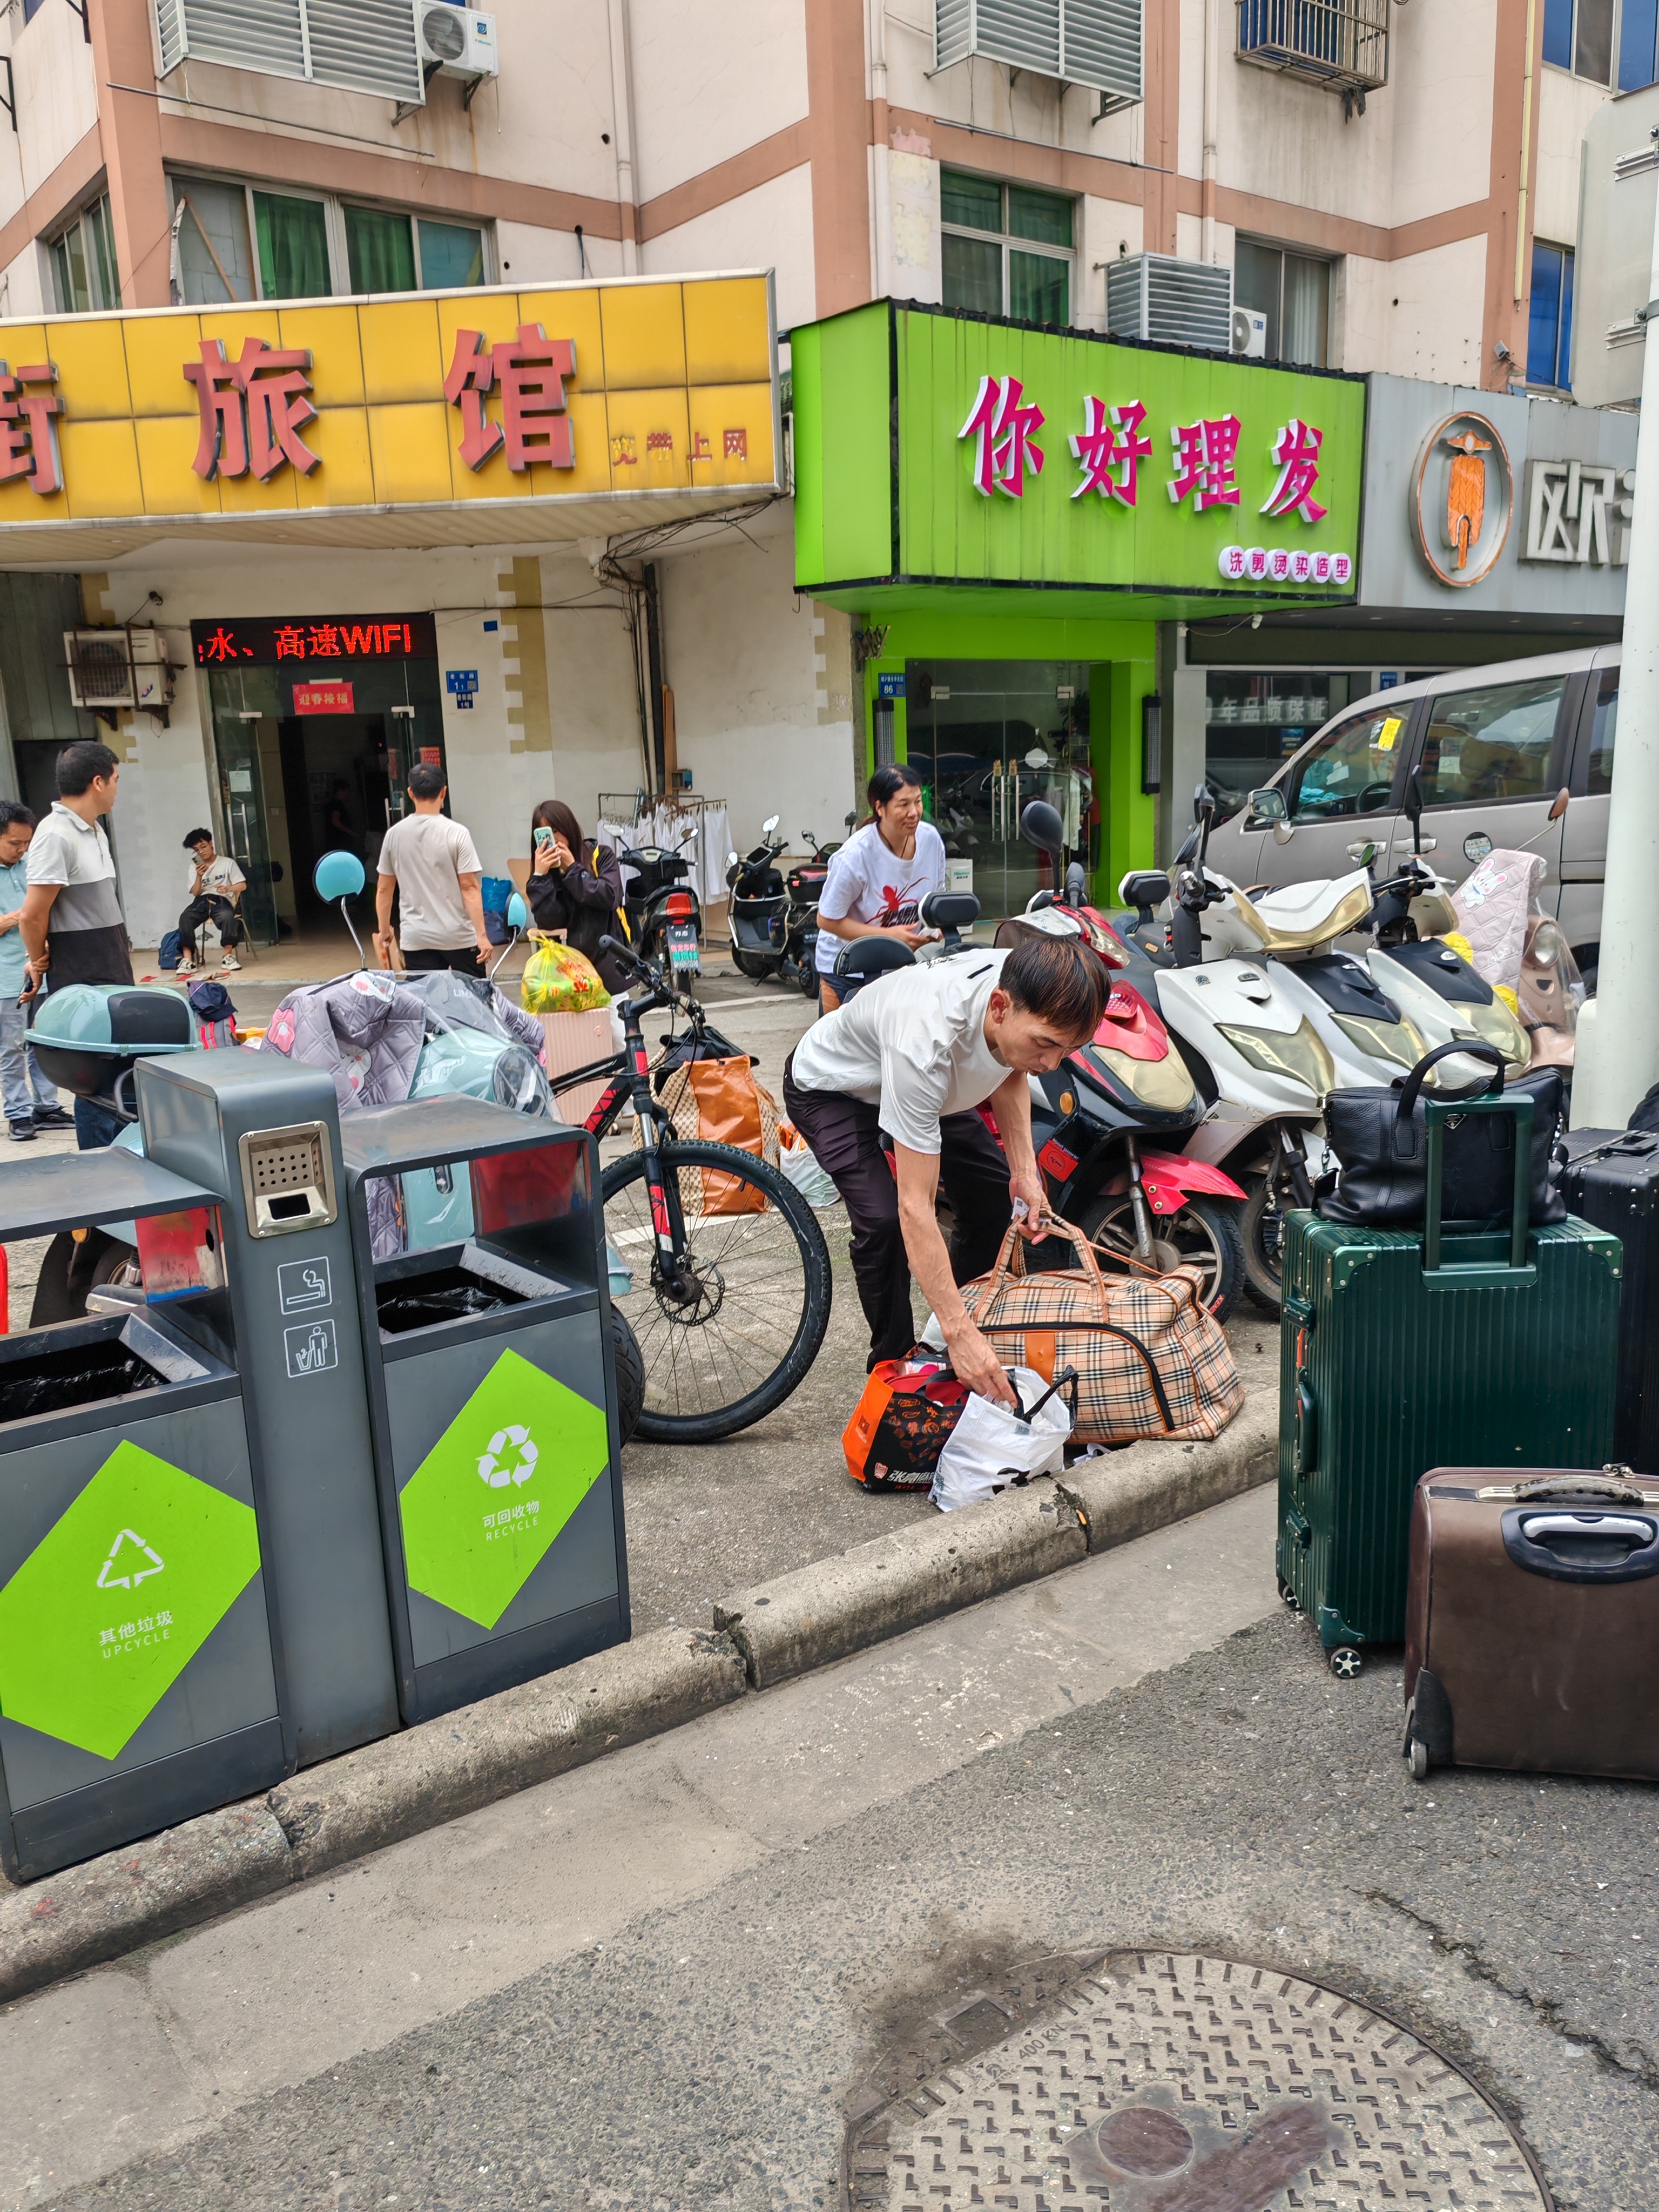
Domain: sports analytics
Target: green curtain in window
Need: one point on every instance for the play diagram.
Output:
(972, 273)
(1037, 288)
(381, 249)
(1044, 217)
(973, 201)
(293, 247)
(450, 256)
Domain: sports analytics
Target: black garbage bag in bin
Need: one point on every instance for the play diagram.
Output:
(57, 1382)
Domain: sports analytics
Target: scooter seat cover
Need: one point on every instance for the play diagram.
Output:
(117, 1018)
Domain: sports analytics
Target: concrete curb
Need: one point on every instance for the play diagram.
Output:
(878, 1590)
(427, 1775)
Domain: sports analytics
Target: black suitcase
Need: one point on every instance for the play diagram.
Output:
(1612, 1181)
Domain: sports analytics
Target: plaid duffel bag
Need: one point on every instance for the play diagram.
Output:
(1151, 1361)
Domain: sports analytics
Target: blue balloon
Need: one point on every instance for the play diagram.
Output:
(518, 914)
(339, 875)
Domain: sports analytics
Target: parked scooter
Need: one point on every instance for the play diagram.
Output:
(756, 898)
(805, 883)
(1164, 1208)
(1259, 1061)
(664, 918)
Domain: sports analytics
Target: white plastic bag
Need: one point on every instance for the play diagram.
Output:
(796, 1159)
(990, 1447)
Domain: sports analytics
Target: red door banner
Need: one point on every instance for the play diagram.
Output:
(323, 699)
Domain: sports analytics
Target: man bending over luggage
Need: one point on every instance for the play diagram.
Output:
(911, 1057)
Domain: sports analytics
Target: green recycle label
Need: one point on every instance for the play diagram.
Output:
(114, 1602)
(482, 1508)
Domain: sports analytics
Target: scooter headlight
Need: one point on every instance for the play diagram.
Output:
(1395, 1042)
(1496, 1024)
(1302, 1056)
(1166, 1085)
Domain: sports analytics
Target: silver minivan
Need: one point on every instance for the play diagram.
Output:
(1491, 747)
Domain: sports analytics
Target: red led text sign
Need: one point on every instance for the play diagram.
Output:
(315, 637)
(322, 699)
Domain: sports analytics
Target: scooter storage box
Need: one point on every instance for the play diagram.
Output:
(1531, 1636)
(1390, 1364)
(1612, 1181)
(87, 1036)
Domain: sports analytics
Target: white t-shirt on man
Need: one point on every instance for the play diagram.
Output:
(220, 877)
(428, 854)
(867, 881)
(913, 1042)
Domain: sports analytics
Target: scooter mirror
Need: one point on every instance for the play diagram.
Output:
(1040, 826)
(1204, 804)
(1559, 804)
(1362, 854)
(518, 914)
(769, 824)
(731, 860)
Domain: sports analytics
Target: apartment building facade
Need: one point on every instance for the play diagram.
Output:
(1371, 186)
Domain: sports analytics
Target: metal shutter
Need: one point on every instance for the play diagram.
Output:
(359, 45)
(366, 46)
(1188, 303)
(1093, 42)
(1102, 46)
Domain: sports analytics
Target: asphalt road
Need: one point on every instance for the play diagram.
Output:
(658, 1982)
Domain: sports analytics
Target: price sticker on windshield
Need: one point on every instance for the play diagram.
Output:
(1389, 730)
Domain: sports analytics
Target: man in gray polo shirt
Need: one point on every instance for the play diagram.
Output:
(71, 925)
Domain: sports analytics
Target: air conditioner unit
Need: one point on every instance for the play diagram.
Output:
(1249, 334)
(110, 669)
(1170, 302)
(455, 41)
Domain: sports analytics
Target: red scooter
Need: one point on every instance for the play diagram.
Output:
(1094, 1117)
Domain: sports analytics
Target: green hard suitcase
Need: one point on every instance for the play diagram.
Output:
(1404, 1349)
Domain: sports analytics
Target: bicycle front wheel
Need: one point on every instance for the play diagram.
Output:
(728, 1325)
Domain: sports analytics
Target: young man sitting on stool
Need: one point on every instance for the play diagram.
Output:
(913, 1056)
(216, 885)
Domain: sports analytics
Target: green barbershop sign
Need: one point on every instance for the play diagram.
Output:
(934, 450)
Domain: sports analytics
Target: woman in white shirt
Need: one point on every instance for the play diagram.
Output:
(880, 877)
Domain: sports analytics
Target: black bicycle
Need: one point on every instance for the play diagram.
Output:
(730, 1291)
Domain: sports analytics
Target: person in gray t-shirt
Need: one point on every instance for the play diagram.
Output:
(433, 866)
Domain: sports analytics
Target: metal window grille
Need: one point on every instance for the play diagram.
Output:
(1098, 43)
(1343, 44)
(1188, 303)
(359, 45)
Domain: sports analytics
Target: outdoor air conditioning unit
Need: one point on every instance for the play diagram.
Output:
(455, 41)
(1249, 334)
(110, 669)
(1170, 302)
(1098, 43)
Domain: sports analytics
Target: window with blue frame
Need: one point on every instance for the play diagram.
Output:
(1609, 41)
(1549, 329)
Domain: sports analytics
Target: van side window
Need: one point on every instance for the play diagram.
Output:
(1603, 734)
(1491, 742)
(1350, 770)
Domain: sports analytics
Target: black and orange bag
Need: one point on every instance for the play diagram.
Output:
(901, 1424)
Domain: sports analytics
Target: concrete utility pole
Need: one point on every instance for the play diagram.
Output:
(1617, 1060)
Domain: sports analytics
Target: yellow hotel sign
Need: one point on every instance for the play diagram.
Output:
(460, 418)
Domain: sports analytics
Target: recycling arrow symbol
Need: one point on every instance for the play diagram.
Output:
(131, 1562)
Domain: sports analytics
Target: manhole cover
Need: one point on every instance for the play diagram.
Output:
(1165, 2082)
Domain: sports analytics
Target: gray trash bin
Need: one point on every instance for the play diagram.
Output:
(265, 1132)
(482, 1272)
(139, 1679)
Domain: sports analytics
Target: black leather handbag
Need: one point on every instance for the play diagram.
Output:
(1380, 1140)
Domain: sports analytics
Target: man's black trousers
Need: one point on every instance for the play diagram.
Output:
(208, 908)
(845, 1135)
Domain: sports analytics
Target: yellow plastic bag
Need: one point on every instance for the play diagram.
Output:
(559, 980)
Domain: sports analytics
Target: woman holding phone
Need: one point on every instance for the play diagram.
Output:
(575, 885)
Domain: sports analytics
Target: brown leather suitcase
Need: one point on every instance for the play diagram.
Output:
(1532, 1621)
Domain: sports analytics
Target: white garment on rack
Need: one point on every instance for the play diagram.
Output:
(716, 843)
